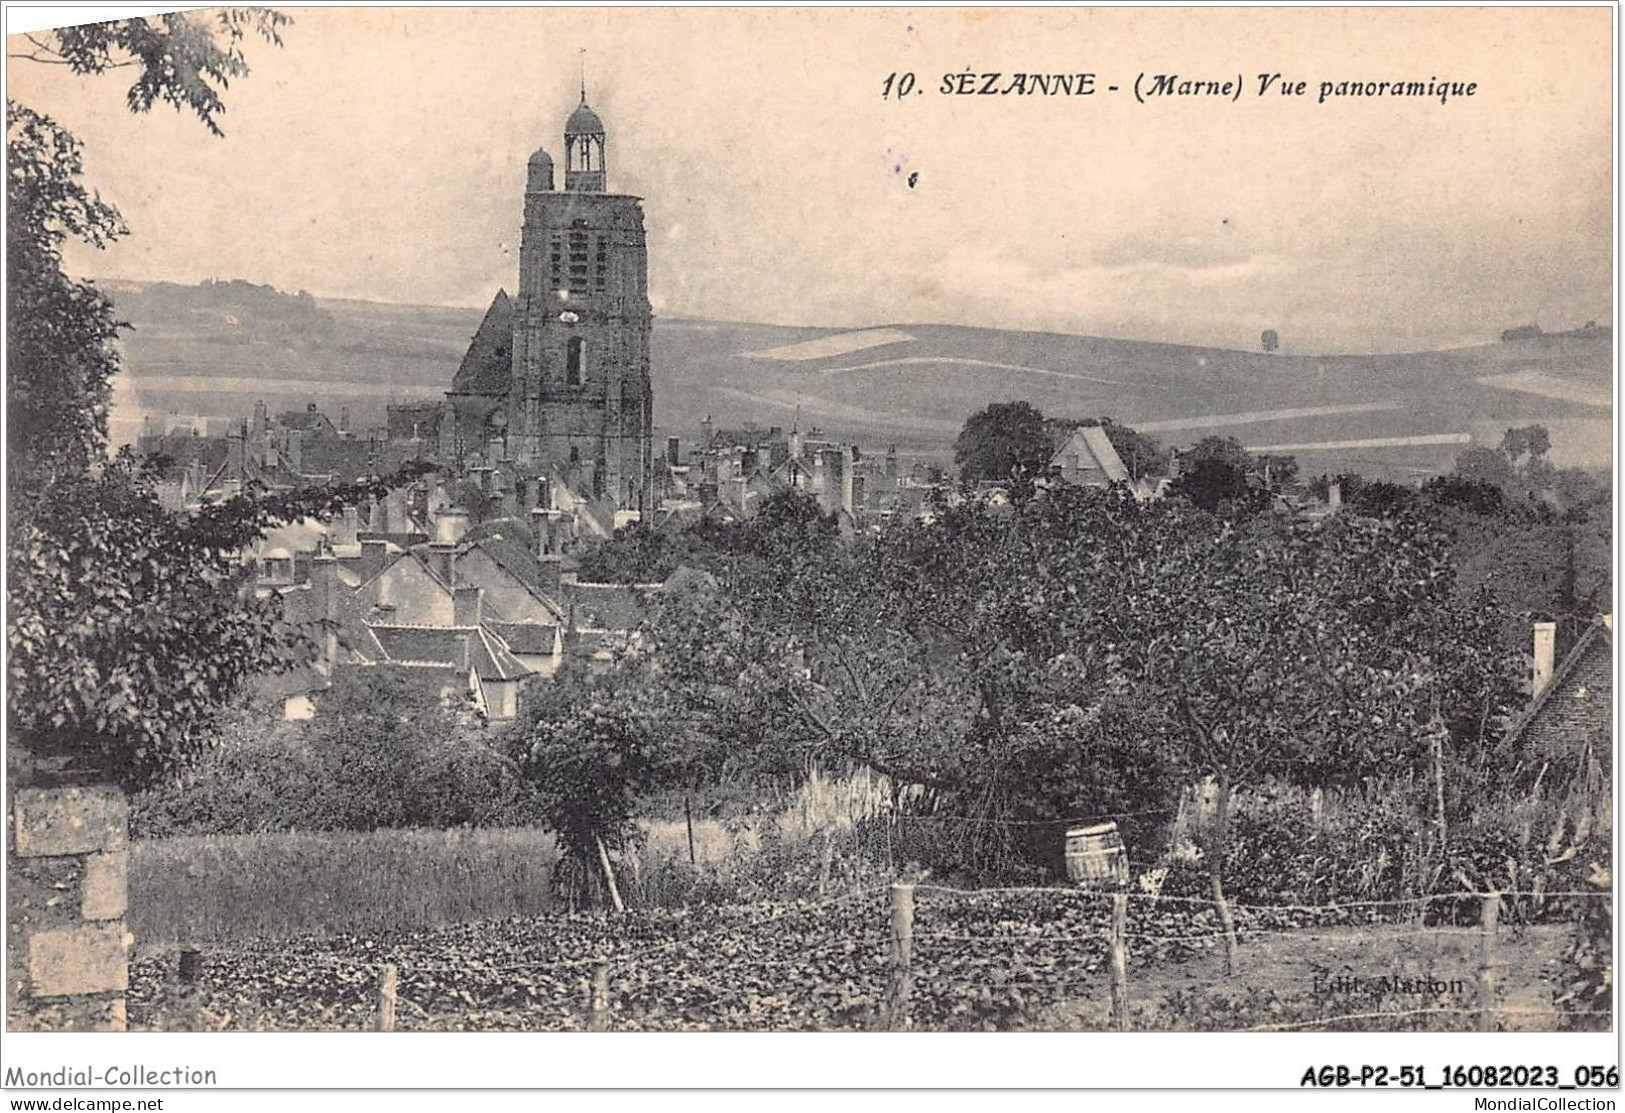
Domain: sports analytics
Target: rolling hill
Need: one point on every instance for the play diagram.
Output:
(213, 350)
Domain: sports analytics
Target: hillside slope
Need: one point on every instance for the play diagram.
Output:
(214, 351)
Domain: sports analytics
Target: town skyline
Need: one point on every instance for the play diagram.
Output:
(1336, 224)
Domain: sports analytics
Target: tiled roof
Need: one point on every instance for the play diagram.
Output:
(440, 645)
(529, 638)
(605, 606)
(487, 368)
(1598, 641)
(306, 420)
(492, 660)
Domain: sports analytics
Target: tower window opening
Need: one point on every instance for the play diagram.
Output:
(578, 262)
(574, 356)
(575, 455)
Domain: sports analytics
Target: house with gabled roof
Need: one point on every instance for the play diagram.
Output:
(1570, 718)
(1088, 459)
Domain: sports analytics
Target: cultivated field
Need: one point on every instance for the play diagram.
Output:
(913, 386)
(990, 959)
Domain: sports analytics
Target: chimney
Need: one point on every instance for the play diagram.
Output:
(451, 525)
(465, 604)
(396, 518)
(344, 528)
(296, 451)
(324, 582)
(550, 571)
(708, 492)
(260, 421)
(1334, 495)
(374, 552)
(1545, 647)
(891, 462)
(344, 420)
(301, 565)
(533, 493)
(548, 526)
(674, 451)
(443, 561)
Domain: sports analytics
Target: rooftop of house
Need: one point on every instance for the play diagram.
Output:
(1566, 681)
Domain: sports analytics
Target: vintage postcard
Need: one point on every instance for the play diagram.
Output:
(870, 520)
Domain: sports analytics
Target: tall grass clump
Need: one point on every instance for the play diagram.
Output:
(221, 888)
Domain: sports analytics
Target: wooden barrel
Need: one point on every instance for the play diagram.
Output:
(1095, 856)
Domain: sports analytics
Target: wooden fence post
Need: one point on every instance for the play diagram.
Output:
(598, 999)
(1119, 957)
(388, 978)
(902, 951)
(190, 963)
(1486, 964)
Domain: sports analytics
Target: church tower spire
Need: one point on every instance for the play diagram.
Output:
(584, 169)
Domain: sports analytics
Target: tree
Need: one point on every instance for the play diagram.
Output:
(1004, 440)
(184, 59)
(128, 628)
(59, 332)
(1270, 340)
(587, 746)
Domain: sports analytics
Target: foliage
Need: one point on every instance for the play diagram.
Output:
(130, 627)
(383, 751)
(1004, 440)
(1218, 475)
(587, 747)
(1585, 996)
(1218, 487)
(636, 554)
(184, 59)
(59, 333)
(127, 628)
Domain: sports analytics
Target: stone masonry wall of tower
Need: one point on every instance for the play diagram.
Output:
(580, 405)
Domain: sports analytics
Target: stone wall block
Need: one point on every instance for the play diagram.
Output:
(69, 821)
(107, 886)
(90, 958)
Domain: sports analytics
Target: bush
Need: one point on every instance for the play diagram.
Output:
(382, 752)
(1585, 994)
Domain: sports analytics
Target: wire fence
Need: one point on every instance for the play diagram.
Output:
(895, 955)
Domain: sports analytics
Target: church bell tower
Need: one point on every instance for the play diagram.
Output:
(580, 408)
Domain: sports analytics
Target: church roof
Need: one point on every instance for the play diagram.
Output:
(487, 368)
(583, 121)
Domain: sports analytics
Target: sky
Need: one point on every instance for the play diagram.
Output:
(380, 154)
